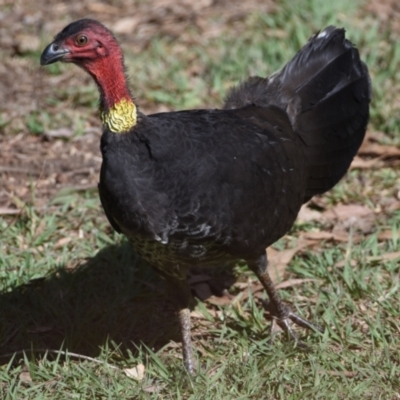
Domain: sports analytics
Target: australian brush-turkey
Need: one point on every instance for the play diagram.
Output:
(208, 187)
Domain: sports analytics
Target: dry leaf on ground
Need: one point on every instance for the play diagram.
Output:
(9, 211)
(375, 149)
(62, 242)
(324, 235)
(136, 373)
(307, 214)
(342, 263)
(361, 163)
(25, 377)
(278, 260)
(350, 216)
(388, 235)
(386, 257)
(294, 282)
(343, 212)
(220, 301)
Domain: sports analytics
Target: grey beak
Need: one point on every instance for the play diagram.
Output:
(53, 53)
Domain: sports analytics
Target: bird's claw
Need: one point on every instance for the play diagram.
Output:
(282, 316)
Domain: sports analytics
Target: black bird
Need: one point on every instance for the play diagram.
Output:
(208, 187)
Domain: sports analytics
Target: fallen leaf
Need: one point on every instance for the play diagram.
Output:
(9, 211)
(324, 235)
(199, 315)
(347, 374)
(61, 133)
(351, 217)
(252, 288)
(219, 301)
(394, 205)
(343, 212)
(307, 214)
(342, 263)
(136, 373)
(25, 377)
(126, 25)
(376, 149)
(293, 282)
(307, 299)
(257, 289)
(154, 388)
(196, 314)
(318, 235)
(387, 235)
(197, 5)
(62, 242)
(102, 8)
(241, 285)
(385, 257)
(278, 260)
(361, 163)
(27, 43)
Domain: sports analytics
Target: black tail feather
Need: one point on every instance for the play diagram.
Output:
(325, 90)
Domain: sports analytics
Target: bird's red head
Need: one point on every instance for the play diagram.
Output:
(90, 45)
(85, 42)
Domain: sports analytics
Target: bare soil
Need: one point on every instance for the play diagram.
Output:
(42, 164)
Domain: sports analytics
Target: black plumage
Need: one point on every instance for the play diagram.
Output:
(208, 187)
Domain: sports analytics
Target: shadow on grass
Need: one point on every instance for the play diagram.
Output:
(113, 296)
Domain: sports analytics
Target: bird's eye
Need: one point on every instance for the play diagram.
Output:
(81, 40)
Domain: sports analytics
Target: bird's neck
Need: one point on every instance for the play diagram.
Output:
(117, 109)
(120, 117)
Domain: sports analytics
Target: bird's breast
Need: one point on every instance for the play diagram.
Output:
(177, 256)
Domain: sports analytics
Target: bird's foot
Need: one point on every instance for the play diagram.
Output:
(283, 316)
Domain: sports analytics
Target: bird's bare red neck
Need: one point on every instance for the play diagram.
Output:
(110, 77)
(117, 109)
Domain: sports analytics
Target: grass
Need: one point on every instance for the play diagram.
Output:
(69, 283)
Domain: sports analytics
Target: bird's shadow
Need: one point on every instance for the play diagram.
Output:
(113, 296)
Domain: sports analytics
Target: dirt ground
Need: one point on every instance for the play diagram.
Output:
(44, 162)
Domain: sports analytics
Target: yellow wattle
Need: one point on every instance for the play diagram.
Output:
(121, 117)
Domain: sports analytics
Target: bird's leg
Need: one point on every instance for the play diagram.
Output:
(280, 312)
(187, 349)
(180, 294)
